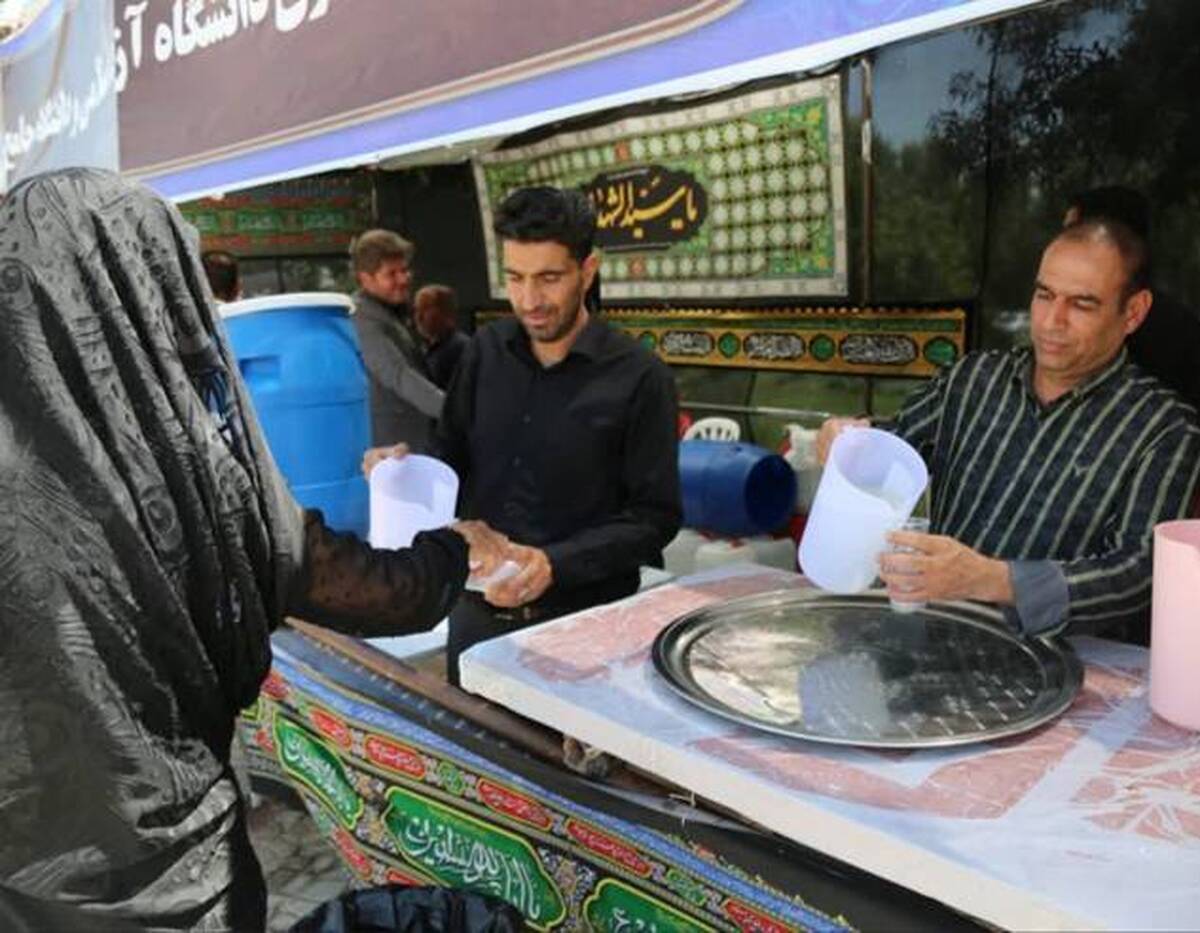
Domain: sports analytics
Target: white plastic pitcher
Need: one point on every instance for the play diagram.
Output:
(871, 483)
(412, 494)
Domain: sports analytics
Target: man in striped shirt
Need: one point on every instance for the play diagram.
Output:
(1051, 464)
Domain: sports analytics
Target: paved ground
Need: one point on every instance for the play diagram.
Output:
(302, 869)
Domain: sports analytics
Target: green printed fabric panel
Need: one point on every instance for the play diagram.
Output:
(743, 197)
(617, 908)
(308, 760)
(460, 851)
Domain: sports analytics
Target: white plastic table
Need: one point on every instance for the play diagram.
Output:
(1091, 822)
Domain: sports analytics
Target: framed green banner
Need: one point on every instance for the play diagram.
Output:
(879, 340)
(742, 197)
(296, 217)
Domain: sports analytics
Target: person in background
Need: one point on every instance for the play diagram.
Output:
(561, 429)
(404, 401)
(221, 269)
(1167, 345)
(1051, 465)
(435, 314)
(148, 546)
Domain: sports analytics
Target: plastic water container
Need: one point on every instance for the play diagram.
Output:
(299, 357)
(734, 489)
(679, 556)
(723, 551)
(1174, 632)
(415, 493)
(870, 485)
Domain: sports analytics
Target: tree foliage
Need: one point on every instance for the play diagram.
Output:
(1082, 94)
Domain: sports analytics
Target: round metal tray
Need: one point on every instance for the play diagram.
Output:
(850, 671)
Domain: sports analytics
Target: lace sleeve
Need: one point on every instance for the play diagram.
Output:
(347, 586)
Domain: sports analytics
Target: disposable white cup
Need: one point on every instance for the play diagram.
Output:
(506, 569)
(409, 495)
(870, 485)
(920, 525)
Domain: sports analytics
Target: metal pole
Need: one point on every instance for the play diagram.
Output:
(868, 182)
(866, 289)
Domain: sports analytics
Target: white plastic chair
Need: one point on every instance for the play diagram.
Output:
(714, 429)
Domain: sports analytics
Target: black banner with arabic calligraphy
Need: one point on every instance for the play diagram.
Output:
(737, 198)
(649, 207)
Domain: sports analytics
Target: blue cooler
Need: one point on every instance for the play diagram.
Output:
(734, 489)
(299, 357)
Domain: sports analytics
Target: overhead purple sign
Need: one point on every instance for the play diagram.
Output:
(221, 93)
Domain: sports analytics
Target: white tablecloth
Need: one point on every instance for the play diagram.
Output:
(1091, 822)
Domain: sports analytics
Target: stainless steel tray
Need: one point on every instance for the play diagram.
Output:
(849, 670)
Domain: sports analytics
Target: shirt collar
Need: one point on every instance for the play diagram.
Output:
(588, 344)
(1024, 372)
(376, 306)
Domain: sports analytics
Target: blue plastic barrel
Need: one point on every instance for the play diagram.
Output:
(734, 489)
(300, 359)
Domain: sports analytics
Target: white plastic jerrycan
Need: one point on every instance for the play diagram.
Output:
(412, 494)
(870, 485)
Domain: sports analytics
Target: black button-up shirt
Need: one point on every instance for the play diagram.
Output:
(579, 459)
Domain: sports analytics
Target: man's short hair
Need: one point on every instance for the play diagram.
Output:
(373, 248)
(221, 270)
(563, 216)
(441, 295)
(1114, 202)
(1133, 249)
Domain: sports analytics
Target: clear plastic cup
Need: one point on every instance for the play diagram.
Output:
(921, 526)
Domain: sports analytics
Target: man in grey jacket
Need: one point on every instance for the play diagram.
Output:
(404, 402)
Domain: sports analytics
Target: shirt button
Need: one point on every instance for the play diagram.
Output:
(516, 461)
(526, 419)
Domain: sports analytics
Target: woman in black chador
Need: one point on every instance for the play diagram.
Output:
(148, 545)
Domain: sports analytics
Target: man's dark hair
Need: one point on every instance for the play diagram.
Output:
(441, 295)
(564, 216)
(1122, 216)
(221, 270)
(372, 249)
(1114, 202)
(1133, 249)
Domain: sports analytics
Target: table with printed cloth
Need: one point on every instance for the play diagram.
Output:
(1089, 822)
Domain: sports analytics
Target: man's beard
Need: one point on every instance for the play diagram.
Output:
(569, 318)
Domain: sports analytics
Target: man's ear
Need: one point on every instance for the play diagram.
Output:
(590, 266)
(1137, 306)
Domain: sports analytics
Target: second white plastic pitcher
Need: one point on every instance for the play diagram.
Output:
(870, 485)
(412, 494)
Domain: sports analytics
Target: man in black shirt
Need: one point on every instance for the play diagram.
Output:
(562, 431)
(435, 316)
(221, 270)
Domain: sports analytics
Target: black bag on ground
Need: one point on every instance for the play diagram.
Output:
(403, 909)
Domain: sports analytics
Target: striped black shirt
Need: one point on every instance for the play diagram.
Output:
(1069, 491)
